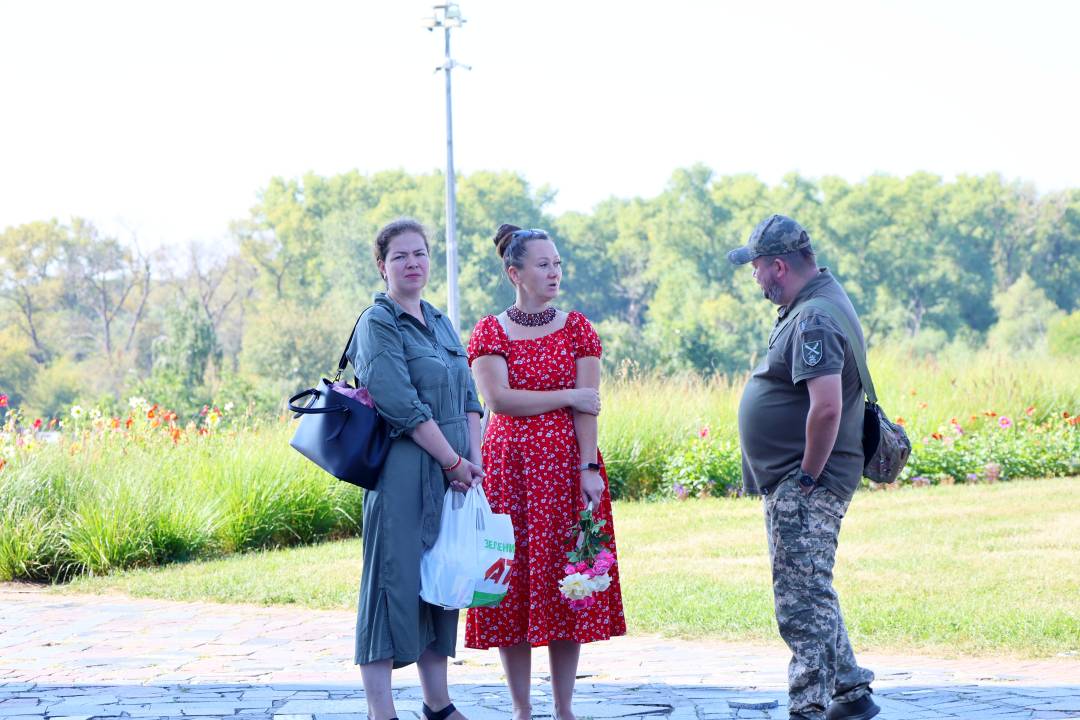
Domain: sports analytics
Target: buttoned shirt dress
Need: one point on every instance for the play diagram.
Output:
(414, 373)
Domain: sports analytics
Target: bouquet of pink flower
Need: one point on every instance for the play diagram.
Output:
(589, 562)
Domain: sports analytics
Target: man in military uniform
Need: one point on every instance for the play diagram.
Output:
(800, 427)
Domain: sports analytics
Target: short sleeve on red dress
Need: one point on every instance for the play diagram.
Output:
(488, 338)
(585, 341)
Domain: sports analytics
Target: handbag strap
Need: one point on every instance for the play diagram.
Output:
(344, 360)
(306, 410)
(840, 317)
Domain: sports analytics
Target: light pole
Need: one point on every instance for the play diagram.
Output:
(448, 16)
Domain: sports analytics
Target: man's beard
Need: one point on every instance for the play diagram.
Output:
(772, 291)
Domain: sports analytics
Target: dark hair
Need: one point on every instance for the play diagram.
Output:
(391, 230)
(512, 249)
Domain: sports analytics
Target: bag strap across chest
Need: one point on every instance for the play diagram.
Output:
(344, 361)
(841, 318)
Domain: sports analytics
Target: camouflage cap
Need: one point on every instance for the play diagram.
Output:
(775, 235)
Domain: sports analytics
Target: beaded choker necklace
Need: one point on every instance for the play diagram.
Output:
(531, 319)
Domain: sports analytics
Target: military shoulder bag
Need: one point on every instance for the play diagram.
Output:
(886, 446)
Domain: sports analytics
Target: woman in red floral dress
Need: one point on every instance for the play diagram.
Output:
(538, 369)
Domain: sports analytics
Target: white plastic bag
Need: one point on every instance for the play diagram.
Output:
(469, 565)
(496, 556)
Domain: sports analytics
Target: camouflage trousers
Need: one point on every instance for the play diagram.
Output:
(802, 531)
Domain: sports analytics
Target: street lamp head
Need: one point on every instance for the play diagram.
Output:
(453, 15)
(446, 16)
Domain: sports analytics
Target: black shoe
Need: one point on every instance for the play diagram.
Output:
(862, 709)
(441, 714)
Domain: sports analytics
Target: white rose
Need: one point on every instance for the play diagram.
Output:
(600, 583)
(575, 586)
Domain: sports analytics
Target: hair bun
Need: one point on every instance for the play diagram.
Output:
(502, 237)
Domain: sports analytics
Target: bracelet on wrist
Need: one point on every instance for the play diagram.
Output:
(454, 466)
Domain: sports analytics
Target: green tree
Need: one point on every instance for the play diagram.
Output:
(30, 282)
(1055, 251)
(281, 239)
(181, 359)
(108, 285)
(1063, 335)
(1024, 315)
(18, 370)
(289, 346)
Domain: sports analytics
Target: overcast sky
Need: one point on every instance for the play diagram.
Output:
(165, 120)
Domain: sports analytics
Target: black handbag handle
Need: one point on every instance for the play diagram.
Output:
(304, 410)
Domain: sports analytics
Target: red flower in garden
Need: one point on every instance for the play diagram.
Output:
(1030, 411)
(129, 422)
(175, 433)
(703, 432)
(1065, 414)
(936, 436)
(38, 424)
(990, 413)
(115, 423)
(205, 409)
(3, 400)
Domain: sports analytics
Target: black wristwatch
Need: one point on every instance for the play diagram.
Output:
(806, 480)
(590, 466)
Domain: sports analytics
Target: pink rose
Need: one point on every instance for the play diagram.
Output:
(604, 561)
(582, 566)
(569, 569)
(583, 603)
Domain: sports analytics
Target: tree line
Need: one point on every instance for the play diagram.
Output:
(929, 263)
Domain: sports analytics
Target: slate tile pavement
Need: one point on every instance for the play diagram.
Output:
(80, 657)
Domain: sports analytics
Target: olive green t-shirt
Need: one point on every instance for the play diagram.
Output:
(804, 344)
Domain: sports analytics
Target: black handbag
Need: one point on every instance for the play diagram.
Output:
(343, 436)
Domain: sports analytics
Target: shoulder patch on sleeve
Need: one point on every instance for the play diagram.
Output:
(812, 352)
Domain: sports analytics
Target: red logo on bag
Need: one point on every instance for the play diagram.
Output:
(499, 572)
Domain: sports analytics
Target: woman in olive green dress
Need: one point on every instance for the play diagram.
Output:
(409, 357)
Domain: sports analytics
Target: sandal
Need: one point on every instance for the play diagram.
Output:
(440, 715)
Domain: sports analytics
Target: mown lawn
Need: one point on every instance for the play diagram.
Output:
(981, 569)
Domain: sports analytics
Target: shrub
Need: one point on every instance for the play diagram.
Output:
(705, 467)
(1064, 336)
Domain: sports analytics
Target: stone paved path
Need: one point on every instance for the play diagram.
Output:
(81, 657)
